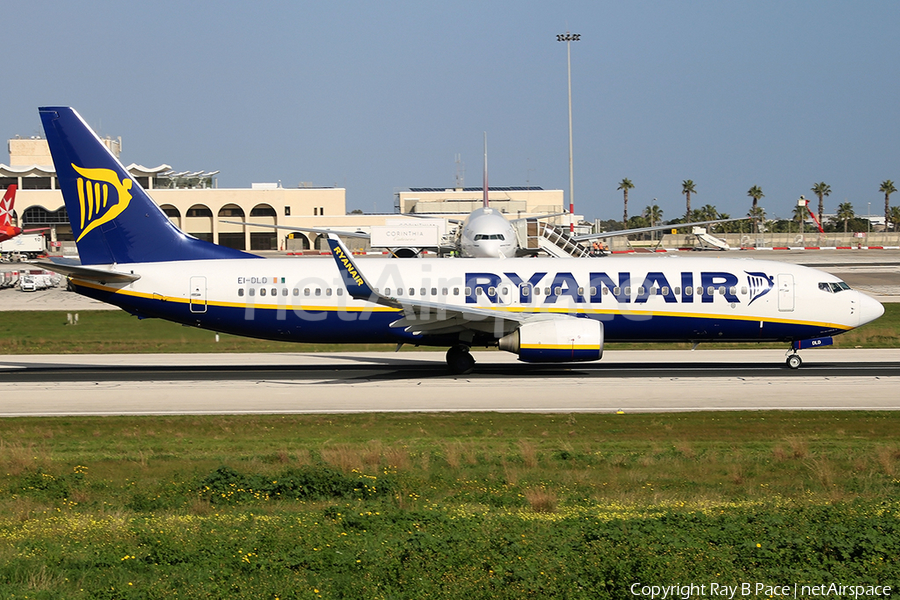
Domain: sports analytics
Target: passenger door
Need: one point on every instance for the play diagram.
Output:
(785, 292)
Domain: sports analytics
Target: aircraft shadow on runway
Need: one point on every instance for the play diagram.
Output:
(356, 370)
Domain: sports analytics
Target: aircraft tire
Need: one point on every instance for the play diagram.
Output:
(794, 361)
(459, 360)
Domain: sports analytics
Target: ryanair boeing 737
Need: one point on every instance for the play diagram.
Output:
(544, 310)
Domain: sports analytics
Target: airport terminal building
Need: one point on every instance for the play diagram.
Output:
(196, 205)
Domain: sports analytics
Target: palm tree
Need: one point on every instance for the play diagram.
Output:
(709, 213)
(625, 185)
(688, 188)
(654, 214)
(756, 193)
(887, 186)
(844, 213)
(757, 213)
(821, 190)
(895, 216)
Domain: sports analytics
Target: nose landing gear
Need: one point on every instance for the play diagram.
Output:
(793, 360)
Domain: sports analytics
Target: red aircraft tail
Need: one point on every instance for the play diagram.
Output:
(6, 206)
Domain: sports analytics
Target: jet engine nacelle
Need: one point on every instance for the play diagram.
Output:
(556, 340)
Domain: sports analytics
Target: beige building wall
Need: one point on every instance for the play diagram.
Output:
(513, 203)
(200, 212)
(25, 152)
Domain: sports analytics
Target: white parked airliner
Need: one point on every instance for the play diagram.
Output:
(545, 310)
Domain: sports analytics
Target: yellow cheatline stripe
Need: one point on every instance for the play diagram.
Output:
(511, 309)
(557, 347)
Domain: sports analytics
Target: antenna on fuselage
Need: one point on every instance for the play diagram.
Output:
(486, 203)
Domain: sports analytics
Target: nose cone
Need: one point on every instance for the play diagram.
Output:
(869, 309)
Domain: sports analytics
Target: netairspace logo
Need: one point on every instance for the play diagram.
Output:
(745, 590)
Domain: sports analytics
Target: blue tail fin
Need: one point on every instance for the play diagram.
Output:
(113, 219)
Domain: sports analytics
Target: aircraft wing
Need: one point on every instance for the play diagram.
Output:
(540, 217)
(420, 316)
(610, 234)
(86, 273)
(356, 234)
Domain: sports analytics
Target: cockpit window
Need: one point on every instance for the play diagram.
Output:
(833, 287)
(489, 236)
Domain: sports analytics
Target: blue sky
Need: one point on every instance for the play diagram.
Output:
(376, 97)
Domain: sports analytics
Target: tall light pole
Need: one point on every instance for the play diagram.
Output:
(568, 38)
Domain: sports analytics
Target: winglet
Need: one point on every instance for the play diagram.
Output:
(357, 286)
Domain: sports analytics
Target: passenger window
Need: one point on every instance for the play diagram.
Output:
(616, 290)
(525, 290)
(240, 291)
(722, 290)
(434, 291)
(593, 291)
(468, 291)
(274, 291)
(492, 291)
(581, 291)
(665, 291)
(422, 292)
(710, 291)
(296, 292)
(387, 291)
(328, 291)
(676, 290)
(479, 291)
(689, 291)
(340, 291)
(318, 291)
(653, 291)
(744, 291)
(606, 291)
(640, 291)
(732, 290)
(412, 291)
(399, 291)
(557, 291)
(284, 291)
(444, 291)
(262, 291)
(699, 291)
(628, 291)
(537, 291)
(546, 291)
(251, 291)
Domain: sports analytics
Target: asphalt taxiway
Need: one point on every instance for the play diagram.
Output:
(630, 381)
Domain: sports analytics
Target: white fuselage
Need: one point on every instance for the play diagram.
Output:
(637, 298)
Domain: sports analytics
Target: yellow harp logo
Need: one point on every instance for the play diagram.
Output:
(97, 207)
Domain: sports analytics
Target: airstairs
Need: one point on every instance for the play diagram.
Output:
(708, 241)
(534, 235)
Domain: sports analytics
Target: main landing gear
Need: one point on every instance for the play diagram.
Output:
(460, 360)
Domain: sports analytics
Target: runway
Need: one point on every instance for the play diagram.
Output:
(630, 381)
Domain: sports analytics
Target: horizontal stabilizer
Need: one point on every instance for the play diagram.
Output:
(86, 273)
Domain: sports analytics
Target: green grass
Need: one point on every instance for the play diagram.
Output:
(101, 332)
(444, 506)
